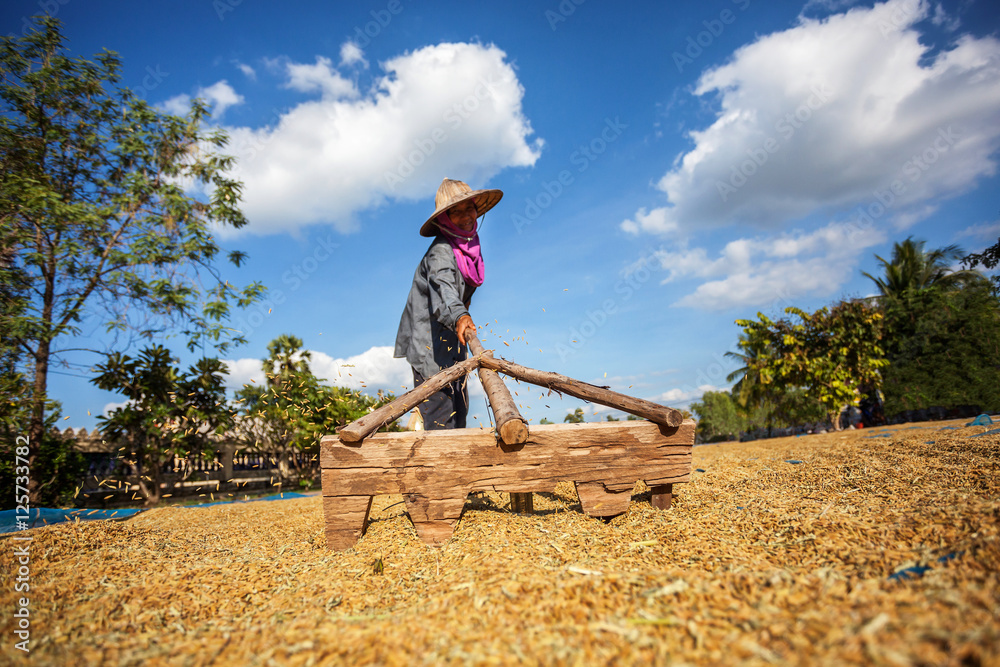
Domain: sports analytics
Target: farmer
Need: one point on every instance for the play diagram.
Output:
(436, 324)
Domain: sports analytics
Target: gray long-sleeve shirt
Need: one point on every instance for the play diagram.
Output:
(438, 297)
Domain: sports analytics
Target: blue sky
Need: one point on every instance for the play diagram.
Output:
(667, 167)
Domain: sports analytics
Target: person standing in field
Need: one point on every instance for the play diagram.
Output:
(436, 324)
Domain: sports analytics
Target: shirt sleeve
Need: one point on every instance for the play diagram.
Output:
(446, 286)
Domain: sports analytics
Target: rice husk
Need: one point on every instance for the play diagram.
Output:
(760, 561)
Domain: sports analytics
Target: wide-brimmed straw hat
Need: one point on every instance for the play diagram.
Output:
(455, 192)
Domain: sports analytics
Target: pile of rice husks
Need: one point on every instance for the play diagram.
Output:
(862, 547)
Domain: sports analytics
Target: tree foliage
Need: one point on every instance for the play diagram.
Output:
(294, 409)
(721, 416)
(576, 417)
(941, 330)
(169, 414)
(988, 259)
(755, 398)
(96, 213)
(830, 354)
(718, 416)
(944, 349)
(912, 269)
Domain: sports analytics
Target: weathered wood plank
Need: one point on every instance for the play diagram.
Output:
(597, 500)
(434, 518)
(346, 519)
(436, 470)
(617, 453)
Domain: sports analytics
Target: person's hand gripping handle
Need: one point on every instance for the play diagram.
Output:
(465, 327)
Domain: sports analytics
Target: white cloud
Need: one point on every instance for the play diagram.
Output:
(943, 19)
(371, 370)
(450, 110)
(248, 71)
(177, 105)
(321, 77)
(771, 270)
(828, 115)
(113, 406)
(242, 371)
(220, 96)
(655, 221)
(986, 231)
(683, 395)
(351, 54)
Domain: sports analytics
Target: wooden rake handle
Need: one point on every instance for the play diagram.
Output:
(374, 420)
(510, 425)
(654, 412)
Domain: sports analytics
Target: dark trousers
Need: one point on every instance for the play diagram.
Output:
(447, 408)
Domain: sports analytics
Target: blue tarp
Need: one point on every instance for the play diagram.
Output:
(918, 571)
(981, 420)
(45, 516)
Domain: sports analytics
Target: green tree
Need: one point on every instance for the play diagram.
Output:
(286, 359)
(545, 420)
(575, 418)
(940, 329)
(748, 388)
(718, 416)
(831, 353)
(989, 259)
(762, 404)
(169, 414)
(913, 268)
(793, 407)
(294, 409)
(95, 216)
(943, 348)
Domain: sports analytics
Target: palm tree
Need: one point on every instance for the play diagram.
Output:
(748, 389)
(913, 269)
(286, 358)
(751, 394)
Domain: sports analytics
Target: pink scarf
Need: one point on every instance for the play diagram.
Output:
(466, 248)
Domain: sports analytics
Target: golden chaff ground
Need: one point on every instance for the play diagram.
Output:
(761, 560)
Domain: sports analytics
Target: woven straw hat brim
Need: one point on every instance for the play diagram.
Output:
(485, 200)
